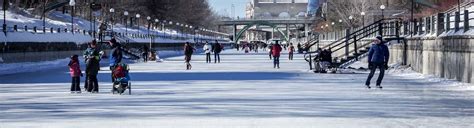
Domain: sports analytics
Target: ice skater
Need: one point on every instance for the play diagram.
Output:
(276, 49)
(378, 58)
(188, 52)
(207, 49)
(76, 74)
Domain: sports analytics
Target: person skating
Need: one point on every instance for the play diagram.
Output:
(217, 48)
(188, 52)
(270, 47)
(115, 57)
(76, 74)
(145, 53)
(276, 49)
(207, 49)
(300, 49)
(378, 58)
(291, 50)
(92, 67)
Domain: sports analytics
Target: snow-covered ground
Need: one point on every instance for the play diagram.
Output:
(242, 91)
(59, 20)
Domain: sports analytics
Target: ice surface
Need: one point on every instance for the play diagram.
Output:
(242, 91)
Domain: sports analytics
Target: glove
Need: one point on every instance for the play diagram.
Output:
(386, 66)
(370, 65)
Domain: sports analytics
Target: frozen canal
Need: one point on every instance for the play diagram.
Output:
(242, 91)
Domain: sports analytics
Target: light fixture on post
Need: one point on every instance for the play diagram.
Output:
(112, 10)
(383, 8)
(156, 23)
(363, 18)
(138, 22)
(72, 3)
(126, 22)
(148, 18)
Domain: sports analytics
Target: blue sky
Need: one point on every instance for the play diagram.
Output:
(225, 6)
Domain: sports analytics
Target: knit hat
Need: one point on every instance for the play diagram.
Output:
(379, 37)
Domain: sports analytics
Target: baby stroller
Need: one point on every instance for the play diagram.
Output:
(121, 79)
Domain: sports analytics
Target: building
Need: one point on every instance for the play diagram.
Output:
(276, 9)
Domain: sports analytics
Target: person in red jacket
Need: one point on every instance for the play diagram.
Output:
(276, 49)
(76, 73)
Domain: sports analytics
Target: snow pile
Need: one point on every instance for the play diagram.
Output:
(408, 72)
(13, 68)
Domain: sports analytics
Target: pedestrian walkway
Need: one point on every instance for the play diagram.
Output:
(244, 90)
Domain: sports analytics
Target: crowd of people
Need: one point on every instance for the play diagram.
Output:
(92, 57)
(377, 58)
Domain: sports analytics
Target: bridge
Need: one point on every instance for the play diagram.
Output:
(274, 23)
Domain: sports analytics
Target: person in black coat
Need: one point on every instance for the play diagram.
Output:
(217, 48)
(188, 52)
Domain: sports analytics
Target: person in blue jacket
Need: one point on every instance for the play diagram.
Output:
(115, 55)
(378, 58)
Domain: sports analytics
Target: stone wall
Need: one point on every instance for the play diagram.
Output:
(446, 57)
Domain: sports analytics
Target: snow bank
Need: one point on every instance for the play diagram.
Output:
(13, 68)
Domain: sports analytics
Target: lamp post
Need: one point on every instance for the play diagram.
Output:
(171, 23)
(383, 8)
(350, 21)
(156, 23)
(5, 5)
(177, 30)
(138, 22)
(126, 22)
(363, 18)
(112, 10)
(72, 3)
(44, 12)
(148, 18)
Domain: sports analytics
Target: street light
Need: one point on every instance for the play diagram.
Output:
(112, 10)
(138, 22)
(156, 23)
(126, 22)
(72, 3)
(363, 18)
(383, 8)
(5, 5)
(148, 18)
(350, 20)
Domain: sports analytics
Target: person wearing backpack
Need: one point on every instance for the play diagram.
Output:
(92, 55)
(207, 50)
(188, 52)
(76, 73)
(217, 51)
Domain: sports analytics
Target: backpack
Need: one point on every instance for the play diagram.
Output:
(119, 71)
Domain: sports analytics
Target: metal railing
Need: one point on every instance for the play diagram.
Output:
(434, 25)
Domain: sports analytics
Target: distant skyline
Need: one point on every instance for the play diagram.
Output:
(224, 7)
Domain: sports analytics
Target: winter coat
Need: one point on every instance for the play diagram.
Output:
(92, 66)
(217, 48)
(276, 49)
(207, 48)
(115, 56)
(378, 53)
(292, 49)
(92, 61)
(188, 50)
(74, 68)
